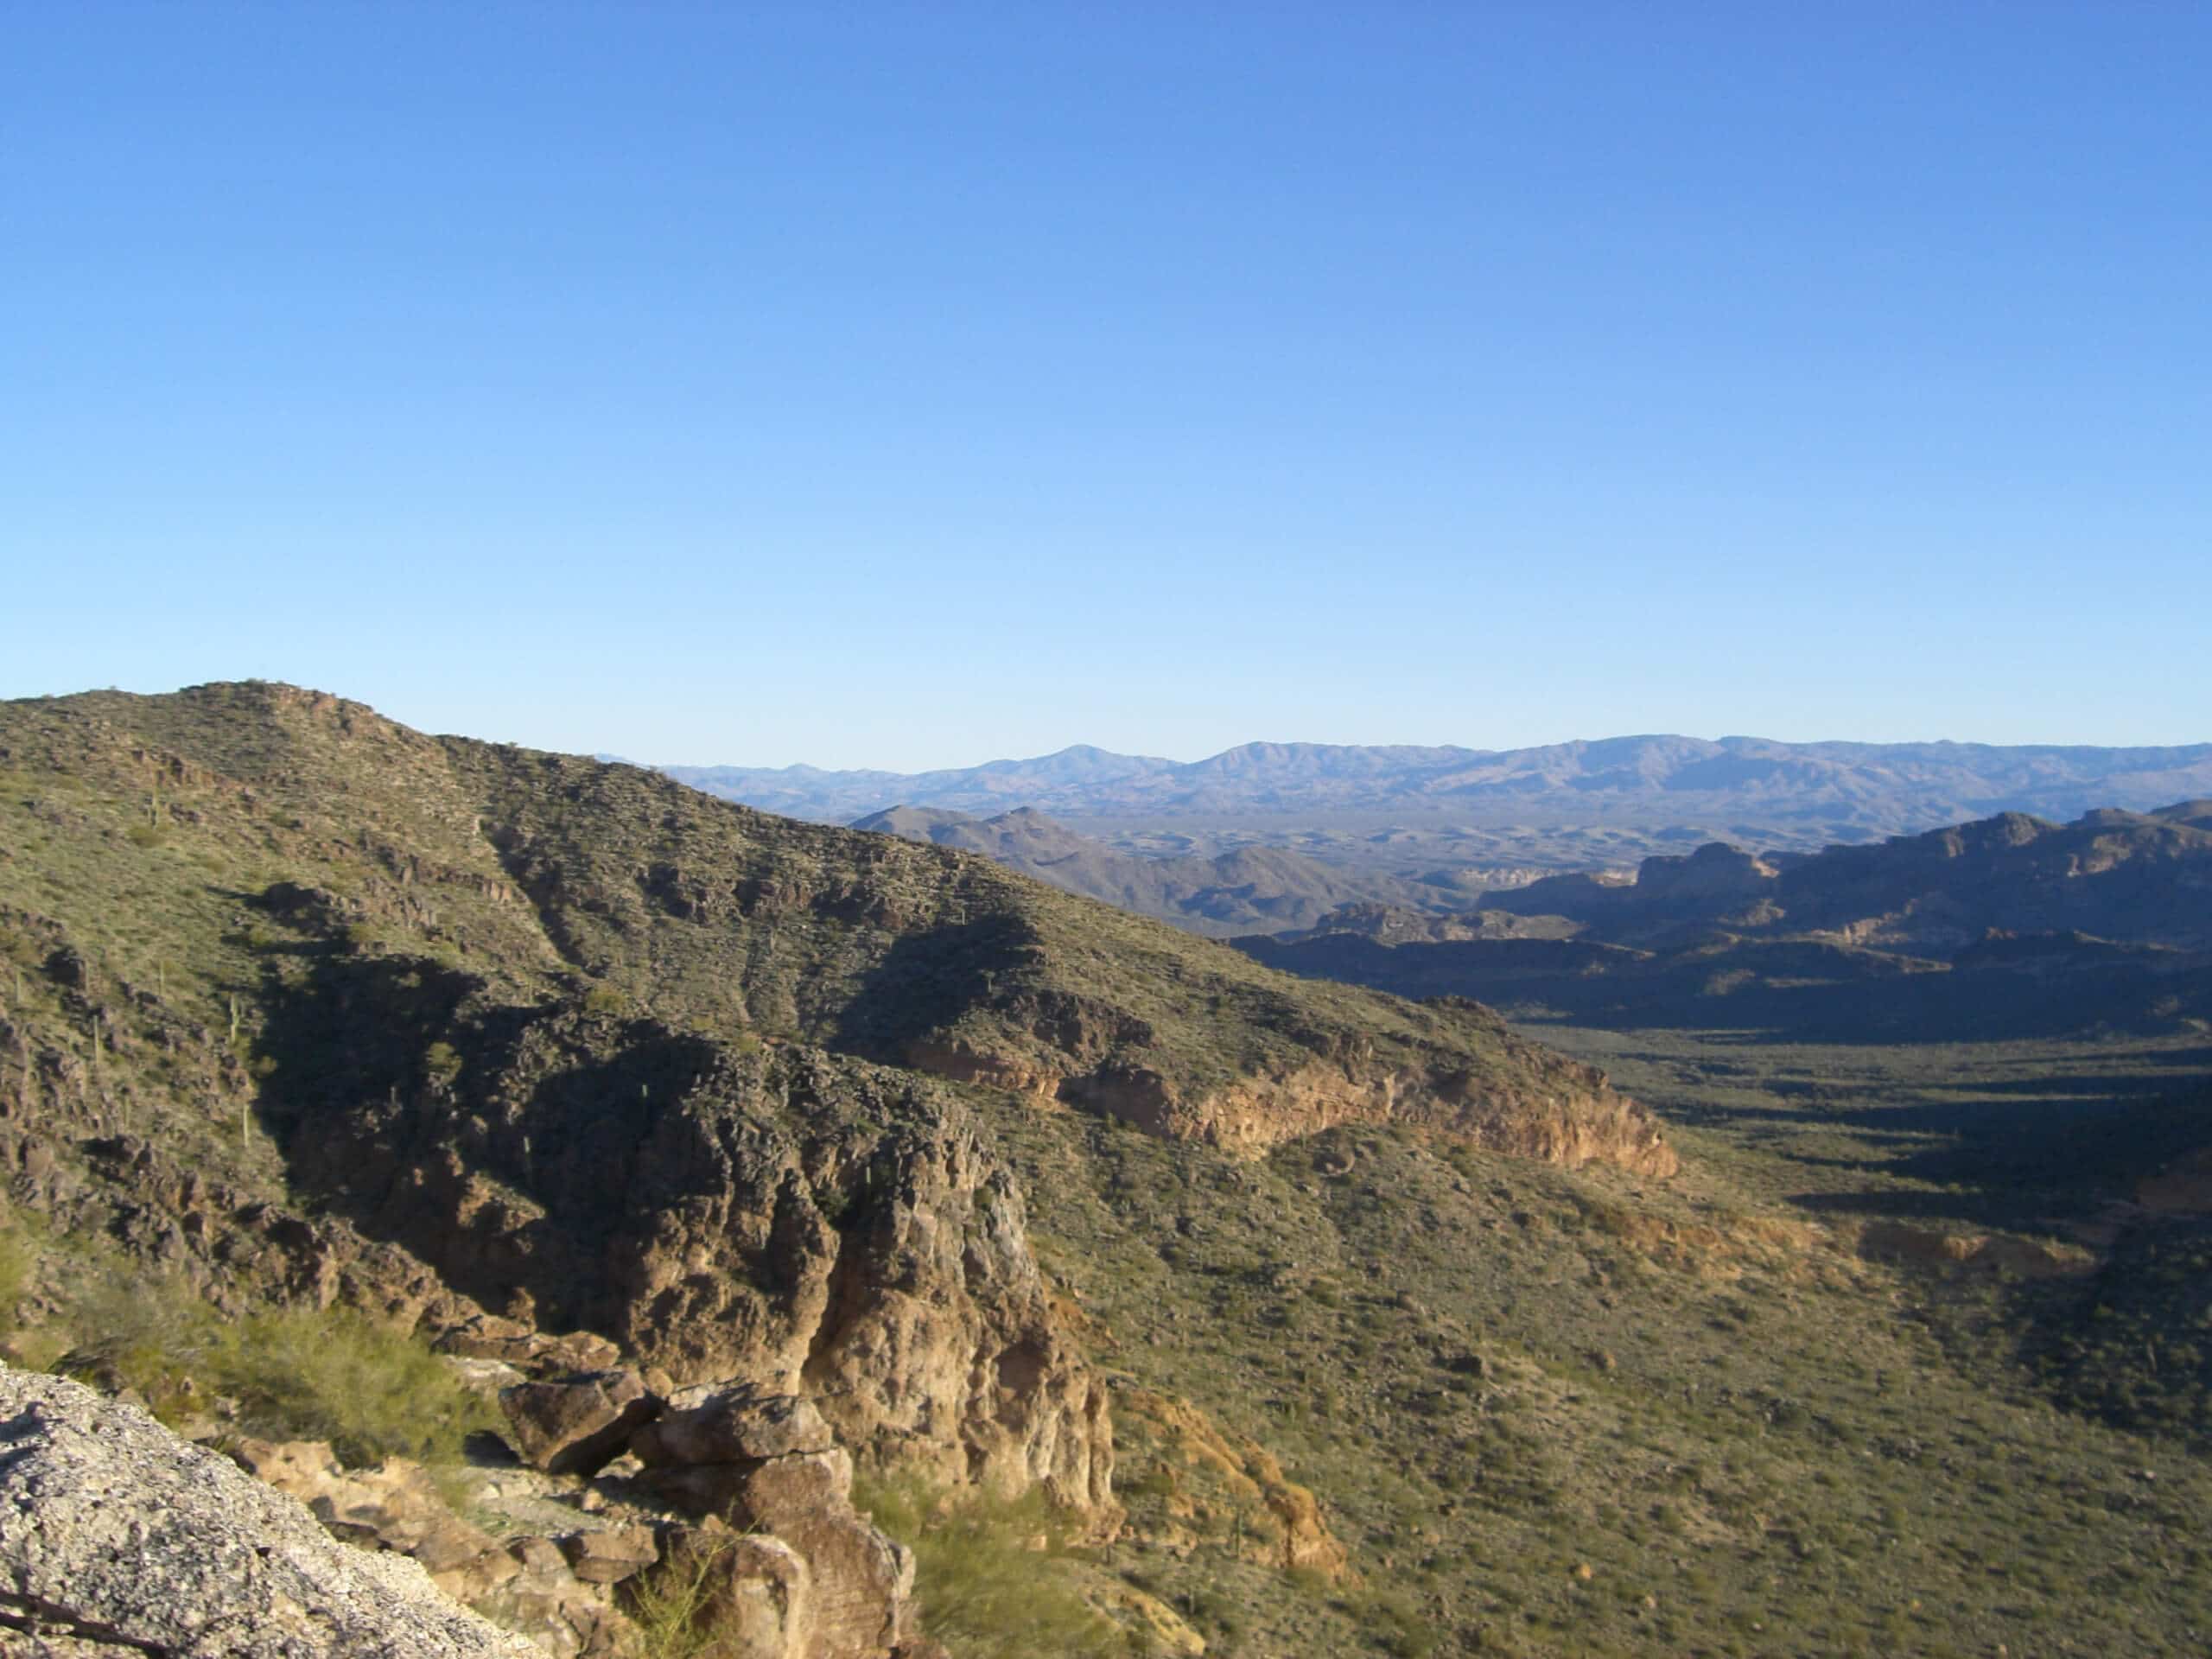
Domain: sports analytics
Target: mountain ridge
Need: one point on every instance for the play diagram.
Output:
(534, 869)
(1252, 889)
(2005, 925)
(1859, 789)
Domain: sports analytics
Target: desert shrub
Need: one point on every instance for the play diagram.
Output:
(442, 1063)
(1394, 1624)
(673, 1606)
(605, 1000)
(298, 1373)
(33, 1346)
(991, 1573)
(340, 1377)
(155, 1337)
(18, 1256)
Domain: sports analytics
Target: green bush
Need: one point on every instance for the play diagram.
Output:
(329, 1375)
(442, 1063)
(18, 1256)
(673, 1606)
(1394, 1624)
(986, 1590)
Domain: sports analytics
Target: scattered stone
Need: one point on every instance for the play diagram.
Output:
(511, 1342)
(394, 1505)
(610, 1556)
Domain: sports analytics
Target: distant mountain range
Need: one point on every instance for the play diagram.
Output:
(2005, 926)
(1798, 794)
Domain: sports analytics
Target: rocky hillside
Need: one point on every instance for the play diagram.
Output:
(1250, 890)
(306, 1008)
(808, 1223)
(281, 840)
(2010, 925)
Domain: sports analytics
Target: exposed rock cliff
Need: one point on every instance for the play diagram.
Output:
(1539, 1104)
(784, 1217)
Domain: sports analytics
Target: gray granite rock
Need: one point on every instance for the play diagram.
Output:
(116, 1536)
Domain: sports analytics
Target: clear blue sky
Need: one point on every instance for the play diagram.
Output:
(912, 385)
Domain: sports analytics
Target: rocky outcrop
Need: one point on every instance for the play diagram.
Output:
(116, 1537)
(1501, 1091)
(1563, 1113)
(785, 1218)
(788, 1566)
(742, 1511)
(832, 1586)
(939, 1339)
(1583, 1121)
(718, 1424)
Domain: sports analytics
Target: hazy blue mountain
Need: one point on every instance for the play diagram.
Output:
(1744, 784)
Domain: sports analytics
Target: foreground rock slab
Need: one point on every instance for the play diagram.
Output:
(115, 1536)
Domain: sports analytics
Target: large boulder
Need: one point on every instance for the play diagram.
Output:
(730, 1422)
(115, 1535)
(577, 1425)
(611, 1555)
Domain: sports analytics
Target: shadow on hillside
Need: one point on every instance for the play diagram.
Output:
(926, 981)
(395, 1095)
(2016, 1164)
(1913, 1010)
(1990, 1005)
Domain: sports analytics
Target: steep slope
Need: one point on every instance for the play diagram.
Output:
(304, 1005)
(545, 872)
(242, 853)
(297, 1000)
